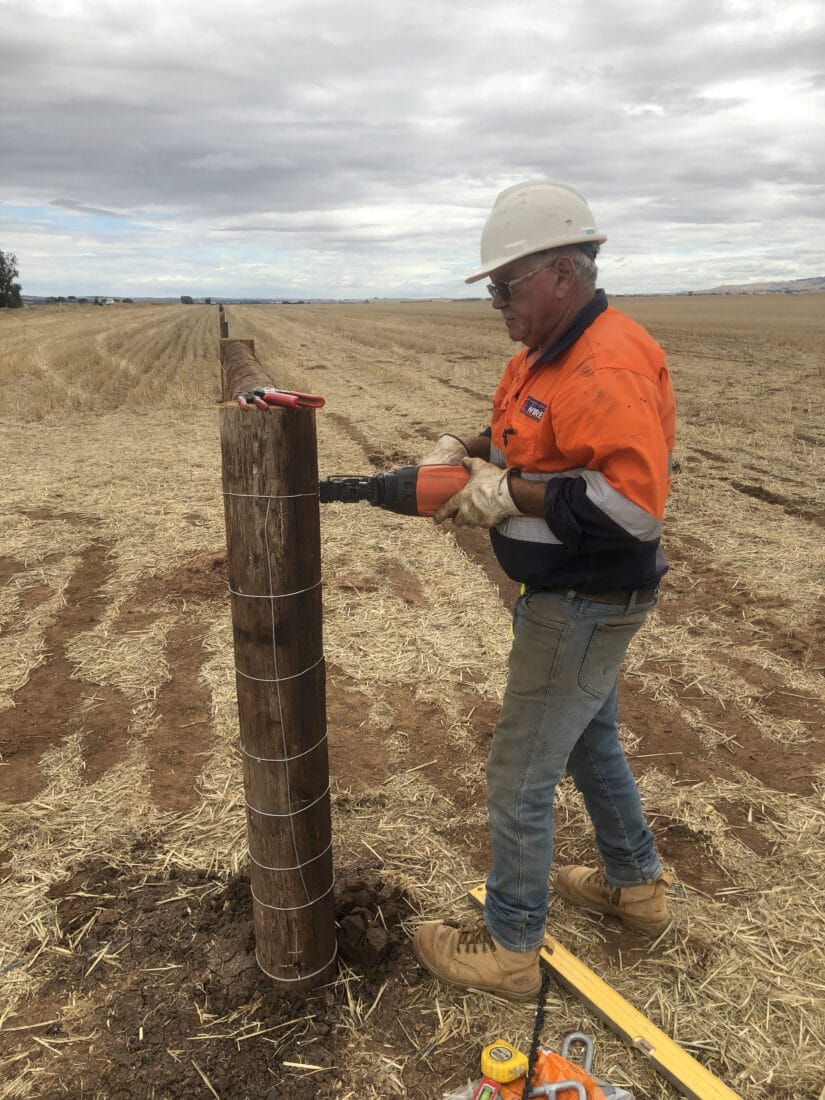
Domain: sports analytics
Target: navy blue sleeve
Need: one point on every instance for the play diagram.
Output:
(582, 527)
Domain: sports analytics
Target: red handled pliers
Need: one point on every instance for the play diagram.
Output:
(262, 397)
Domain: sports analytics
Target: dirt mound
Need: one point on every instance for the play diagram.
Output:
(168, 989)
(370, 937)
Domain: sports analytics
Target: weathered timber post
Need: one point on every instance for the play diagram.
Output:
(247, 372)
(223, 323)
(270, 482)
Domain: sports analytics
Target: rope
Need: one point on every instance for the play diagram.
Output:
(541, 1005)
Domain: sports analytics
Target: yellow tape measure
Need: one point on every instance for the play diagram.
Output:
(502, 1062)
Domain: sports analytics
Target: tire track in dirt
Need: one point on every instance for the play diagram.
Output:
(666, 740)
(361, 764)
(8, 568)
(787, 504)
(747, 616)
(472, 391)
(183, 735)
(720, 466)
(378, 459)
(52, 704)
(360, 761)
(176, 747)
(29, 598)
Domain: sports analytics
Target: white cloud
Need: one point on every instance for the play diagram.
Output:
(270, 146)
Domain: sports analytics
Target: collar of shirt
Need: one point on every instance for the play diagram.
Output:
(583, 319)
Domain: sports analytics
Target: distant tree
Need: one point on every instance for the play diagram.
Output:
(9, 289)
(186, 300)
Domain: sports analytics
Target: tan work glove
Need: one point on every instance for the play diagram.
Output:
(448, 451)
(484, 501)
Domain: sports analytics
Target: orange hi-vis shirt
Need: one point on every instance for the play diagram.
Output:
(594, 417)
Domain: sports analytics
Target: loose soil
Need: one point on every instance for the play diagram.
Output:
(178, 986)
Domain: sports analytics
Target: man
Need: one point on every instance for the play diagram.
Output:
(571, 478)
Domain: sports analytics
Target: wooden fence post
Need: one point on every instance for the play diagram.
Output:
(270, 482)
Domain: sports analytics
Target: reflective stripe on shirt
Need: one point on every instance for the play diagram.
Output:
(629, 516)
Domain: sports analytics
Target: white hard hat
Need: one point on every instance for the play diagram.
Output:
(530, 217)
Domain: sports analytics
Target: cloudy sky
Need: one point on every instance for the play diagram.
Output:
(340, 149)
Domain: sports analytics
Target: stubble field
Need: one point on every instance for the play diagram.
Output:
(126, 959)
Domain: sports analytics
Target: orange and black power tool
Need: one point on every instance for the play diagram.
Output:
(409, 490)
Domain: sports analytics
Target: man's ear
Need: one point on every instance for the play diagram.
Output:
(566, 276)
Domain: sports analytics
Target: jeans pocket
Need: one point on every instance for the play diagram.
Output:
(537, 643)
(542, 608)
(604, 655)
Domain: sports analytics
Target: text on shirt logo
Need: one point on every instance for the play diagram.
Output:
(532, 408)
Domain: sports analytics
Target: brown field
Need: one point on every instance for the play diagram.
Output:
(126, 964)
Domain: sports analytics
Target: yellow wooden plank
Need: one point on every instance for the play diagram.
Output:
(687, 1075)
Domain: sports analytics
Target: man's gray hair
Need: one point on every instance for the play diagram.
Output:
(584, 261)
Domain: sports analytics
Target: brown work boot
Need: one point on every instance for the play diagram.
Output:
(468, 955)
(641, 907)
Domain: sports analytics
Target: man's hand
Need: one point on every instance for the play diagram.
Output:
(448, 451)
(484, 501)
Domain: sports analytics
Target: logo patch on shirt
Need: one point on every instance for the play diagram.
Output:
(532, 408)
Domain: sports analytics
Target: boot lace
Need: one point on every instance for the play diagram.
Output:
(598, 880)
(474, 939)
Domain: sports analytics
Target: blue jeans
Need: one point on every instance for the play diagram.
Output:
(560, 713)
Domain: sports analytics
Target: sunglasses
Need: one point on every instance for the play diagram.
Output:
(498, 288)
